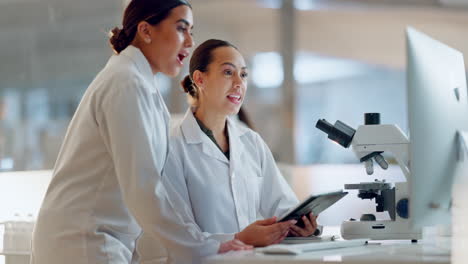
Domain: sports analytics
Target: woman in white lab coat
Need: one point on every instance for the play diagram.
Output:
(106, 184)
(224, 170)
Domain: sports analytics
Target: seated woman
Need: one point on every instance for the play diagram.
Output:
(223, 170)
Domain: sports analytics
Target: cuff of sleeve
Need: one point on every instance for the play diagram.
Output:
(221, 238)
(210, 248)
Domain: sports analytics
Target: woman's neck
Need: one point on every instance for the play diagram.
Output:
(214, 121)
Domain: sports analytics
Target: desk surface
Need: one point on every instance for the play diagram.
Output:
(432, 249)
(376, 252)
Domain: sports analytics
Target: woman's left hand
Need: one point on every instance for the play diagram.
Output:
(309, 228)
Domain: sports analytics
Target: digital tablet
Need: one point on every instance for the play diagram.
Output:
(315, 204)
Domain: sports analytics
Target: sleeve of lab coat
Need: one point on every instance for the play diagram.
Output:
(277, 196)
(174, 180)
(133, 137)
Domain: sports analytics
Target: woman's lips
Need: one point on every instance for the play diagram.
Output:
(235, 99)
(181, 56)
(180, 59)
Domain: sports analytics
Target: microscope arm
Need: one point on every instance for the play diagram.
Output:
(382, 138)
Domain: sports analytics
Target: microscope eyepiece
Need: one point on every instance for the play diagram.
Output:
(340, 132)
(323, 125)
(372, 118)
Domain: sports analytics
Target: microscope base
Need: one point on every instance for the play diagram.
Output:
(379, 230)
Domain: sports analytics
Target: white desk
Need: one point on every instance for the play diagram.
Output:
(387, 253)
(433, 250)
(381, 252)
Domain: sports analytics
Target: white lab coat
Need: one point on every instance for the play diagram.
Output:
(106, 184)
(225, 195)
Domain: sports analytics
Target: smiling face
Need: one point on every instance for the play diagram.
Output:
(223, 86)
(168, 43)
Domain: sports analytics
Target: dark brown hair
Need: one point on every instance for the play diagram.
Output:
(201, 58)
(151, 11)
(244, 118)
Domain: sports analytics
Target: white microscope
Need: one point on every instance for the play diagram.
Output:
(368, 143)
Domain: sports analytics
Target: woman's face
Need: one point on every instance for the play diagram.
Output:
(224, 84)
(171, 41)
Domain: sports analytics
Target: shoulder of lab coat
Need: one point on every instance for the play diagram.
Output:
(125, 106)
(276, 197)
(188, 131)
(174, 170)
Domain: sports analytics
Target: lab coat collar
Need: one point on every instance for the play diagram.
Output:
(194, 135)
(140, 61)
(236, 145)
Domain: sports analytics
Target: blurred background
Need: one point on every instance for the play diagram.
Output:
(308, 59)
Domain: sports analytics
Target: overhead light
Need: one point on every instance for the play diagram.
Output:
(454, 3)
(6, 164)
(298, 4)
(267, 70)
(275, 4)
(311, 68)
(306, 4)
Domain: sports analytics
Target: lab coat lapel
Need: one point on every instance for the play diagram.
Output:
(144, 69)
(166, 116)
(236, 146)
(210, 149)
(194, 135)
(141, 63)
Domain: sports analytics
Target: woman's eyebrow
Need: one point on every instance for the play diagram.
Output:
(231, 64)
(185, 22)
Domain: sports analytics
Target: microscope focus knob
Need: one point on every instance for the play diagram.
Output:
(367, 217)
(402, 208)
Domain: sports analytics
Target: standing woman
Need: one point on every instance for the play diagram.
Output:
(106, 184)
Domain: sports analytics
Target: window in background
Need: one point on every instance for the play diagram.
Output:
(9, 116)
(327, 87)
(340, 89)
(310, 68)
(307, 4)
(298, 4)
(270, 3)
(267, 70)
(50, 51)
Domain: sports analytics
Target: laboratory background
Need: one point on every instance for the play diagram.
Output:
(307, 60)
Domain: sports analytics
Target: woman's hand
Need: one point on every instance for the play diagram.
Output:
(309, 228)
(233, 245)
(265, 232)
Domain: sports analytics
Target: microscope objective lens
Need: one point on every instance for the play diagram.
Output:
(369, 167)
(381, 161)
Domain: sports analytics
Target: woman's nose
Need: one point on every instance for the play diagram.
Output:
(239, 82)
(189, 42)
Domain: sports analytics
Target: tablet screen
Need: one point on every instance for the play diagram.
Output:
(315, 204)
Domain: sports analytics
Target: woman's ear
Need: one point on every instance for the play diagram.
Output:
(198, 79)
(144, 32)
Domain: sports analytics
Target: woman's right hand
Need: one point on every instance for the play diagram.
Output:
(265, 232)
(233, 245)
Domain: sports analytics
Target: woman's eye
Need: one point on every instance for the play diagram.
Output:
(228, 72)
(244, 75)
(182, 29)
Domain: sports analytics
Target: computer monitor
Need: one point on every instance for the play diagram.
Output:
(437, 110)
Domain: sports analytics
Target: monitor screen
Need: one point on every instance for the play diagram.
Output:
(437, 110)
